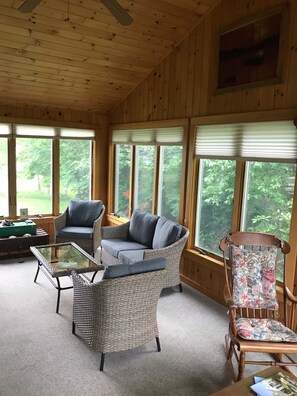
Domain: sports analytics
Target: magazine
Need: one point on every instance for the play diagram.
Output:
(66, 265)
(277, 385)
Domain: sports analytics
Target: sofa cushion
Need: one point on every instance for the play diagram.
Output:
(83, 212)
(130, 256)
(166, 233)
(115, 245)
(142, 227)
(75, 232)
(115, 271)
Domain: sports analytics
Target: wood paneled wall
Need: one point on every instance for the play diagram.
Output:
(183, 85)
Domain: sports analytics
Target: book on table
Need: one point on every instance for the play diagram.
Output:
(66, 265)
(277, 385)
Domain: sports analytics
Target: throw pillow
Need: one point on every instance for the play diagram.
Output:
(166, 233)
(142, 227)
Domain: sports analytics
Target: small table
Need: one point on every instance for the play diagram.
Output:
(20, 246)
(60, 259)
(242, 387)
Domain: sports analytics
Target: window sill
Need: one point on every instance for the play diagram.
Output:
(204, 258)
(115, 220)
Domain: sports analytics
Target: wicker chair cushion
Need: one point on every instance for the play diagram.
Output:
(116, 245)
(75, 233)
(120, 270)
(83, 213)
(264, 330)
(254, 278)
(130, 256)
(166, 233)
(142, 227)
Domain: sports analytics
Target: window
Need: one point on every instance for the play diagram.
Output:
(3, 177)
(267, 152)
(214, 203)
(148, 165)
(122, 179)
(33, 175)
(170, 172)
(144, 178)
(32, 152)
(75, 170)
(268, 198)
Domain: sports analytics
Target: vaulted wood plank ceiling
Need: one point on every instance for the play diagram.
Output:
(74, 54)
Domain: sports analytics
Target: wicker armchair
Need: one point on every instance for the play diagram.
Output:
(117, 314)
(171, 253)
(80, 233)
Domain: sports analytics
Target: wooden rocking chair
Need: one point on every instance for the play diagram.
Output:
(250, 268)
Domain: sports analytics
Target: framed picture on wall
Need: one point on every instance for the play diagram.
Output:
(251, 53)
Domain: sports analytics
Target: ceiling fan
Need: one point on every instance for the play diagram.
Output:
(113, 6)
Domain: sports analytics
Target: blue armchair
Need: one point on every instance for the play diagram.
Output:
(81, 223)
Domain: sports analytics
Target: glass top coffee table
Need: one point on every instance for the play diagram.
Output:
(60, 259)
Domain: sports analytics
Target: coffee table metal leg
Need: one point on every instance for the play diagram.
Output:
(59, 293)
(37, 272)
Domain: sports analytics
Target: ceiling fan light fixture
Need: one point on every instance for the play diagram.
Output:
(118, 12)
(28, 6)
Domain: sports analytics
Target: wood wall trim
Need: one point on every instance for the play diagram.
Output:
(269, 115)
(151, 124)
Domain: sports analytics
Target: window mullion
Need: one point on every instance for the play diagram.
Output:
(12, 176)
(238, 195)
(132, 181)
(56, 176)
(156, 180)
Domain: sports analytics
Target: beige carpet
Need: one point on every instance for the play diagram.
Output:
(40, 356)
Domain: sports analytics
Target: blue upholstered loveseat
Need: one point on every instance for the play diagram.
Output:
(145, 236)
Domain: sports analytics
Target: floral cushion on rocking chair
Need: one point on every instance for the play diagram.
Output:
(264, 330)
(254, 278)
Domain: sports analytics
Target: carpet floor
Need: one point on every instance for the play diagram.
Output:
(40, 356)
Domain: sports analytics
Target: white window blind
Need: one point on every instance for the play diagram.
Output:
(151, 136)
(32, 130)
(274, 141)
(77, 133)
(5, 130)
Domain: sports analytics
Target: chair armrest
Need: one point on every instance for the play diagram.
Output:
(60, 221)
(120, 231)
(290, 296)
(174, 250)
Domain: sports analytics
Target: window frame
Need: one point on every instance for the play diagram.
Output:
(192, 177)
(55, 138)
(154, 124)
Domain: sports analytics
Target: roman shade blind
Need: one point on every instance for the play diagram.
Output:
(42, 131)
(262, 141)
(150, 136)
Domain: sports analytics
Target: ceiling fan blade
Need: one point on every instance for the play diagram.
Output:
(118, 12)
(29, 5)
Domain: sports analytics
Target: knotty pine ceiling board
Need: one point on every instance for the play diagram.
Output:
(74, 54)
